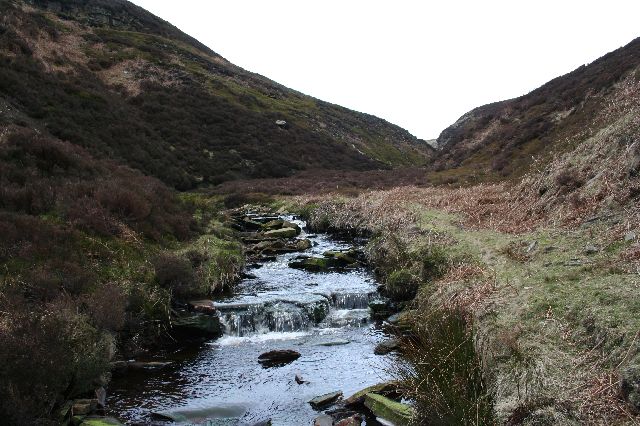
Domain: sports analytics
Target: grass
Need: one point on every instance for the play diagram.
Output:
(443, 373)
(553, 325)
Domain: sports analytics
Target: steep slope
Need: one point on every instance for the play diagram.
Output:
(123, 84)
(502, 139)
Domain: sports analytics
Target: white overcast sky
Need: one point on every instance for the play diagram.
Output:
(418, 64)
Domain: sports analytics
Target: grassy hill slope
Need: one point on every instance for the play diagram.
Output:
(123, 84)
(502, 140)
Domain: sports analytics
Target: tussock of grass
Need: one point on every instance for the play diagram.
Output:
(443, 374)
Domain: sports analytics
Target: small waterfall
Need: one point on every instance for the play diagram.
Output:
(279, 316)
(282, 317)
(351, 300)
(240, 321)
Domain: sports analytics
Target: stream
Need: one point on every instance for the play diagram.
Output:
(322, 315)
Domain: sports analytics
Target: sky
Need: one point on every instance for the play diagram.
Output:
(418, 64)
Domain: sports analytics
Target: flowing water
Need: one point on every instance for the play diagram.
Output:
(324, 316)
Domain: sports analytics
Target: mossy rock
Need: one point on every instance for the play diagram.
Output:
(348, 258)
(301, 245)
(388, 409)
(385, 388)
(199, 325)
(281, 233)
(100, 421)
(318, 312)
(402, 285)
(316, 264)
(379, 309)
(292, 225)
(273, 224)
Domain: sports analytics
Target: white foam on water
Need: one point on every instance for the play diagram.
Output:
(258, 338)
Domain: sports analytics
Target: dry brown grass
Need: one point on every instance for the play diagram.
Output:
(600, 401)
(477, 285)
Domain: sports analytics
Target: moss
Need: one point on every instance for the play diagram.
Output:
(402, 285)
(395, 412)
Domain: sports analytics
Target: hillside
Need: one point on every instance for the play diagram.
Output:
(125, 85)
(502, 139)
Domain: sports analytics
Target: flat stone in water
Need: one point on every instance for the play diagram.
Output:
(337, 342)
(278, 358)
(387, 347)
(199, 415)
(324, 400)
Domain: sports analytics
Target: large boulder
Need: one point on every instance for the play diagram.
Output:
(202, 306)
(273, 224)
(83, 407)
(278, 358)
(280, 246)
(388, 409)
(225, 413)
(301, 245)
(248, 224)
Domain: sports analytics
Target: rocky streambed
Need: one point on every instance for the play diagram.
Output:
(297, 339)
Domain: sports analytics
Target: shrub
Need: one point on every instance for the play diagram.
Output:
(569, 180)
(46, 281)
(46, 356)
(238, 199)
(176, 274)
(107, 307)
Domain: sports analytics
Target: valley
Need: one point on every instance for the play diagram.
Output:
(183, 241)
